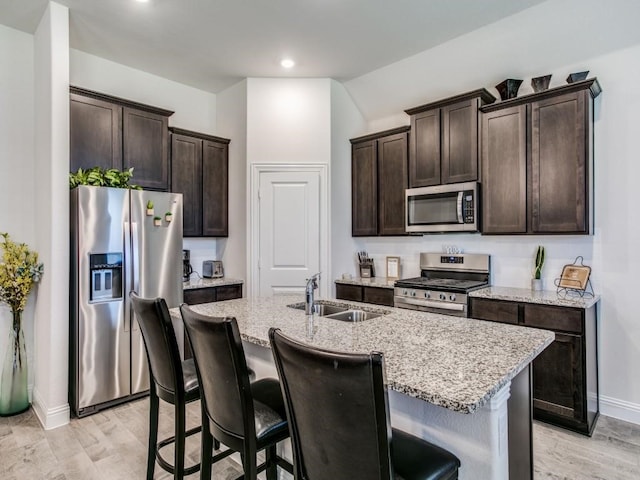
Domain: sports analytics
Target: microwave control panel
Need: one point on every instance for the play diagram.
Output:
(467, 206)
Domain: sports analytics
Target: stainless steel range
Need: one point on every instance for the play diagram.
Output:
(444, 282)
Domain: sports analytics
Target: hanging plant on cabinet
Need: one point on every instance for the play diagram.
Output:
(19, 272)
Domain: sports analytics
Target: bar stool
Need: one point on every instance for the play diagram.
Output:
(173, 381)
(245, 416)
(337, 407)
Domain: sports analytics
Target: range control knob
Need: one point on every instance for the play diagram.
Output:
(427, 294)
(442, 296)
(452, 297)
(405, 292)
(413, 293)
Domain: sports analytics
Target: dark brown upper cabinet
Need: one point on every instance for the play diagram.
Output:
(200, 171)
(145, 147)
(95, 133)
(444, 140)
(378, 183)
(537, 160)
(111, 132)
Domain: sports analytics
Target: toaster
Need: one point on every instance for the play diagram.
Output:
(212, 269)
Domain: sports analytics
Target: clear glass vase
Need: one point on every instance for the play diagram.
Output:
(14, 397)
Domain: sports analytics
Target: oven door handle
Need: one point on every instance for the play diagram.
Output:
(459, 207)
(458, 307)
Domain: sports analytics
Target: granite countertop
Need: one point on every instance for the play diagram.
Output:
(210, 282)
(380, 282)
(545, 297)
(457, 363)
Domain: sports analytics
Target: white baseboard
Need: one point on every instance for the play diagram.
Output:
(50, 418)
(621, 409)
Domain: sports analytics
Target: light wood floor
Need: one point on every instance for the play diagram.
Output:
(111, 445)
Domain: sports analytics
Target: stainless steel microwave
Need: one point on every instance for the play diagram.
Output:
(442, 208)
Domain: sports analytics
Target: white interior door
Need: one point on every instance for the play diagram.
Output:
(288, 230)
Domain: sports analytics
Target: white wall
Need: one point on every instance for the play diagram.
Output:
(288, 121)
(51, 93)
(232, 123)
(17, 161)
(346, 122)
(194, 109)
(556, 37)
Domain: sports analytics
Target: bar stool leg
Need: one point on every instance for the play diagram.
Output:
(153, 432)
(180, 429)
(272, 467)
(205, 455)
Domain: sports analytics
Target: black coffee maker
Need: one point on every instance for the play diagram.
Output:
(186, 265)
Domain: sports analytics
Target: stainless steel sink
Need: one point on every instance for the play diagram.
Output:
(354, 316)
(344, 312)
(322, 309)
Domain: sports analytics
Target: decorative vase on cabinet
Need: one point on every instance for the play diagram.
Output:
(14, 397)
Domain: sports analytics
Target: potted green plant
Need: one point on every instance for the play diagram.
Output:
(99, 177)
(149, 208)
(536, 281)
(168, 216)
(157, 221)
(19, 272)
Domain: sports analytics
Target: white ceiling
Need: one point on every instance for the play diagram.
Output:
(212, 44)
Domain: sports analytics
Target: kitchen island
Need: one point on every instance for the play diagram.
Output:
(463, 384)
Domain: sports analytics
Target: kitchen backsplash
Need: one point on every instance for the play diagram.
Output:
(512, 257)
(201, 249)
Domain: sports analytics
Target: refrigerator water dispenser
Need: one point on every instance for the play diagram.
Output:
(105, 276)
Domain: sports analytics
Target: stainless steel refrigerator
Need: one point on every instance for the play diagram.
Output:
(117, 245)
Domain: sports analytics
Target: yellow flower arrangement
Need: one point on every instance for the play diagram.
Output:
(19, 272)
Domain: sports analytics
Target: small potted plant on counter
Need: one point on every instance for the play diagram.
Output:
(536, 281)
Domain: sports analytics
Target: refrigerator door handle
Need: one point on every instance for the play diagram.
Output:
(135, 266)
(128, 310)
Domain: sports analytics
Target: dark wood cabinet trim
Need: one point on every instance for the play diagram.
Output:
(375, 136)
(201, 136)
(121, 101)
(481, 93)
(591, 84)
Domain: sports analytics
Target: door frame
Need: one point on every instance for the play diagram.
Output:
(254, 221)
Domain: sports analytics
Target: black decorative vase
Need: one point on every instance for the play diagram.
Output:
(540, 83)
(509, 88)
(577, 77)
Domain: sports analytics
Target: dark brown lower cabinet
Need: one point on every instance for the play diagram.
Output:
(359, 293)
(565, 374)
(195, 296)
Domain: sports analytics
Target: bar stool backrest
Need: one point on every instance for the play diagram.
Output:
(337, 409)
(160, 344)
(223, 375)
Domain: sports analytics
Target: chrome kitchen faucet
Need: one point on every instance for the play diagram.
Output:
(312, 284)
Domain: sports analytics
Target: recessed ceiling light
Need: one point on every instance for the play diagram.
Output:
(287, 63)
(142, 1)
